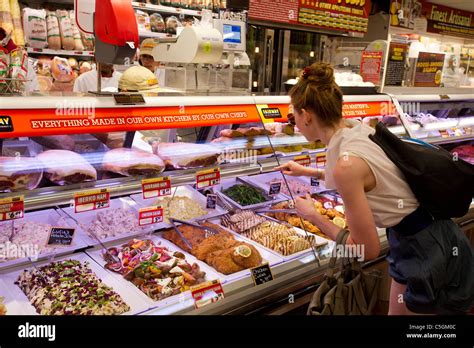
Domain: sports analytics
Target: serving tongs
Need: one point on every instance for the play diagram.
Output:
(173, 224)
(270, 210)
(209, 230)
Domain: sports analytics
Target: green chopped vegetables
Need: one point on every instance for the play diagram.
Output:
(245, 195)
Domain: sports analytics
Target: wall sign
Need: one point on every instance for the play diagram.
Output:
(397, 55)
(448, 21)
(371, 66)
(429, 69)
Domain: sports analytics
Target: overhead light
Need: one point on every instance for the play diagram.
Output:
(255, 84)
(257, 49)
(311, 54)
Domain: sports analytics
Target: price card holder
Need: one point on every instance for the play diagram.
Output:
(211, 201)
(91, 200)
(150, 216)
(207, 293)
(208, 178)
(321, 160)
(275, 189)
(304, 160)
(12, 208)
(315, 182)
(60, 237)
(156, 187)
(261, 274)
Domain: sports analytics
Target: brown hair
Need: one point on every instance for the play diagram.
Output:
(318, 92)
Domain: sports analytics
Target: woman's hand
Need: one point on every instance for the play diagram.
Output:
(293, 169)
(306, 209)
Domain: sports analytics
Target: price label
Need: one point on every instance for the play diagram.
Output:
(150, 216)
(156, 187)
(12, 208)
(275, 188)
(314, 182)
(211, 201)
(207, 293)
(261, 274)
(444, 133)
(304, 160)
(60, 236)
(91, 200)
(321, 160)
(208, 178)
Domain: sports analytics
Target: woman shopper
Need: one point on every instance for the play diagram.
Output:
(431, 262)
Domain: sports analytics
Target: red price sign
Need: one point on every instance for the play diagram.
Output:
(207, 293)
(150, 216)
(157, 187)
(208, 178)
(12, 208)
(91, 200)
(321, 160)
(304, 160)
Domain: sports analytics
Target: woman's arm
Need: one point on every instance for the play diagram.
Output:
(351, 181)
(295, 169)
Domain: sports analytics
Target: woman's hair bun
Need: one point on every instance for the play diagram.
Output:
(320, 74)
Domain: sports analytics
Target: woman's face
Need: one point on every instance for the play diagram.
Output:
(306, 123)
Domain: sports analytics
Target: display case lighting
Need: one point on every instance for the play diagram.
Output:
(441, 125)
(466, 121)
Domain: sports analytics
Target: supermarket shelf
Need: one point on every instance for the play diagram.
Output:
(60, 52)
(165, 9)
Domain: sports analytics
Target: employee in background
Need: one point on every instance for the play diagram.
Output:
(87, 82)
(146, 60)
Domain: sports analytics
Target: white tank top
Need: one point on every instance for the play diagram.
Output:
(391, 199)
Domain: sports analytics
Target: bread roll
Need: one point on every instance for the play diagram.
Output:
(66, 167)
(130, 162)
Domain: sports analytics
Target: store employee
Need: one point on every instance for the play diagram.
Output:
(146, 60)
(87, 82)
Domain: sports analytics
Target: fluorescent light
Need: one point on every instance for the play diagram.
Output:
(257, 49)
(311, 54)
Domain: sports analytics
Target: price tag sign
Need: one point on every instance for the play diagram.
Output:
(207, 293)
(150, 216)
(275, 188)
(261, 274)
(91, 200)
(314, 182)
(208, 178)
(321, 160)
(12, 208)
(60, 236)
(211, 201)
(156, 187)
(304, 160)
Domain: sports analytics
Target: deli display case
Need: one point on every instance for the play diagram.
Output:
(164, 207)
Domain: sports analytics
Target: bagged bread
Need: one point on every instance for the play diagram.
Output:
(66, 167)
(88, 41)
(4, 63)
(6, 19)
(54, 35)
(34, 24)
(65, 26)
(78, 45)
(130, 162)
(61, 70)
(18, 34)
(157, 23)
(143, 21)
(186, 155)
(19, 173)
(18, 69)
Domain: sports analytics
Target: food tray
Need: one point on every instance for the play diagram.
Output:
(261, 181)
(53, 218)
(319, 240)
(271, 257)
(83, 220)
(20, 302)
(96, 255)
(14, 307)
(186, 191)
(231, 182)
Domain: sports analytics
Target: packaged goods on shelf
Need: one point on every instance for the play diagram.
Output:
(157, 23)
(67, 34)
(154, 269)
(19, 173)
(6, 18)
(143, 21)
(61, 70)
(66, 167)
(4, 62)
(185, 155)
(172, 24)
(18, 34)
(78, 45)
(34, 24)
(222, 251)
(54, 34)
(130, 162)
(18, 69)
(88, 41)
(69, 287)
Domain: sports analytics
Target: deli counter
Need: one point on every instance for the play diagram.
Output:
(163, 207)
